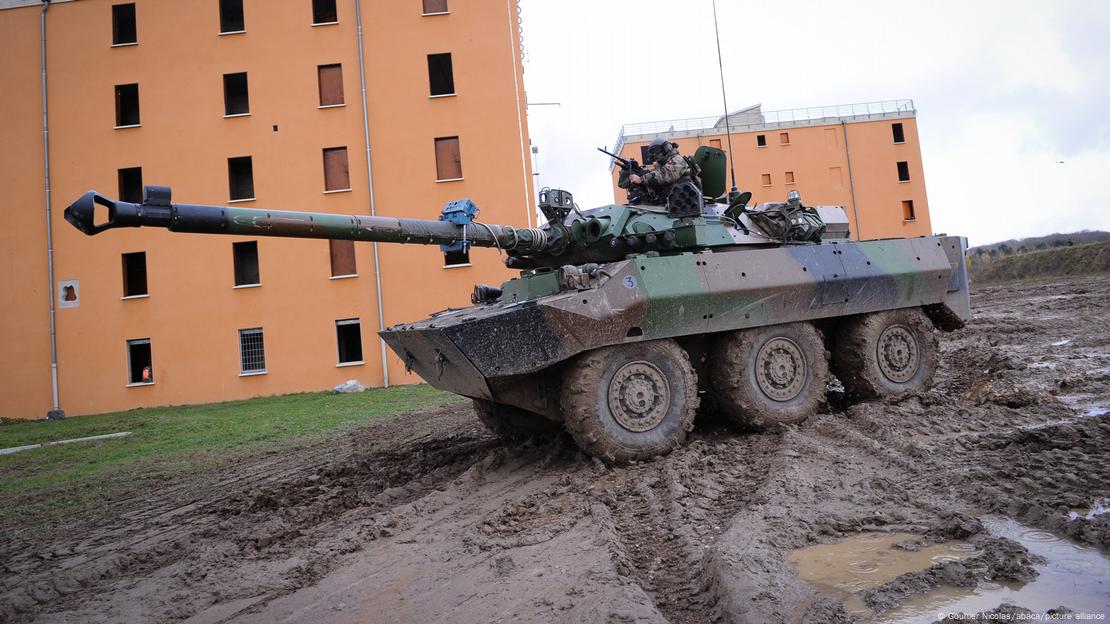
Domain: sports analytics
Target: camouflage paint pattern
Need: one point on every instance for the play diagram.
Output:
(612, 275)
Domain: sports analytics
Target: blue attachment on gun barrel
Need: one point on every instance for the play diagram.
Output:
(460, 212)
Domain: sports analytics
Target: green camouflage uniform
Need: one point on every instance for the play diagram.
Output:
(667, 170)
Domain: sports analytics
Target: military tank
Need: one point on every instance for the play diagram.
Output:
(624, 317)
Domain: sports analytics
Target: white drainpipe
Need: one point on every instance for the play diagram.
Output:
(55, 411)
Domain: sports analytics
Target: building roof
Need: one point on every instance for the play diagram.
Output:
(753, 118)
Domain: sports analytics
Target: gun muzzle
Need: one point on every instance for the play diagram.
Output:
(155, 211)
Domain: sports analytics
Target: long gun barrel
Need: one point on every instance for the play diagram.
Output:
(156, 210)
(631, 165)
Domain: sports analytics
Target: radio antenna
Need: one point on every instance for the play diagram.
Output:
(724, 98)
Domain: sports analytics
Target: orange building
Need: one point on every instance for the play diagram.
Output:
(864, 157)
(319, 105)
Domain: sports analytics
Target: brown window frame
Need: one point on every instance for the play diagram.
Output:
(789, 177)
(766, 179)
(909, 213)
(329, 83)
(344, 263)
(442, 167)
(431, 7)
(784, 138)
(337, 171)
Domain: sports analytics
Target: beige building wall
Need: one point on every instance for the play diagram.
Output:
(193, 312)
(850, 161)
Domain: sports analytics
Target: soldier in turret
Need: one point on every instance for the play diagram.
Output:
(668, 167)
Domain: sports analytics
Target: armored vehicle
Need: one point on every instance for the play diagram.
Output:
(624, 317)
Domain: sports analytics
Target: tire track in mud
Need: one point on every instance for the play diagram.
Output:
(668, 515)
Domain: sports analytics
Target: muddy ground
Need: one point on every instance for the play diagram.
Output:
(426, 518)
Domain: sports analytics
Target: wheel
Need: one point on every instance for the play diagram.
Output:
(630, 402)
(770, 375)
(886, 354)
(511, 423)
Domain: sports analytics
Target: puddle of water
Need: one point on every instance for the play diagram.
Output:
(1075, 576)
(1049, 365)
(1098, 508)
(1060, 343)
(869, 559)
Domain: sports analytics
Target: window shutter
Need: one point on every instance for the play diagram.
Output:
(448, 159)
(331, 84)
(342, 257)
(337, 176)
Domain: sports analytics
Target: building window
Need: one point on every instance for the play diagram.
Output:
(240, 178)
(140, 368)
(330, 79)
(456, 258)
(899, 133)
(348, 339)
(130, 184)
(323, 12)
(766, 179)
(252, 351)
(448, 159)
(433, 7)
(645, 154)
(761, 140)
(231, 16)
(236, 101)
(715, 143)
(903, 171)
(790, 177)
(342, 258)
(907, 210)
(127, 105)
(123, 24)
(784, 138)
(245, 258)
(440, 76)
(134, 274)
(336, 175)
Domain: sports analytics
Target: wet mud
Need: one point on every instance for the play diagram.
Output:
(427, 518)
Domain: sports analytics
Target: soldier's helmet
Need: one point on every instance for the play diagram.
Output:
(659, 148)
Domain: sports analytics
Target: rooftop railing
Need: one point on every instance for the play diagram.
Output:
(741, 120)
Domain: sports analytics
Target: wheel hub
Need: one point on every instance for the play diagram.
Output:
(898, 355)
(780, 369)
(639, 396)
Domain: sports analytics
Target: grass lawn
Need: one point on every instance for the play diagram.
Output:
(40, 485)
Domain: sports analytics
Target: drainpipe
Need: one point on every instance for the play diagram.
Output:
(851, 180)
(519, 113)
(55, 412)
(370, 181)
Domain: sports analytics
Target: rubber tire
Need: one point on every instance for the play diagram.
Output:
(856, 356)
(737, 391)
(513, 424)
(585, 404)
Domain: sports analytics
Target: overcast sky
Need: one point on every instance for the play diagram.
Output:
(1004, 91)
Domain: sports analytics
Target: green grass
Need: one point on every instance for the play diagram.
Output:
(41, 485)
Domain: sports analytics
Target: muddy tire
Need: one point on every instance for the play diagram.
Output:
(770, 375)
(886, 354)
(630, 402)
(513, 424)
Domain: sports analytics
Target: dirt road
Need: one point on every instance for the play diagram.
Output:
(426, 518)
